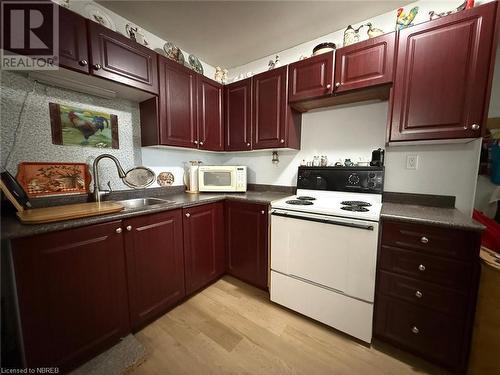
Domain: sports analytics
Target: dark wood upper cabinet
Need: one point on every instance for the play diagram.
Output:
(72, 294)
(203, 245)
(238, 115)
(155, 264)
(274, 123)
(178, 102)
(73, 46)
(364, 64)
(441, 74)
(117, 58)
(247, 242)
(311, 78)
(210, 115)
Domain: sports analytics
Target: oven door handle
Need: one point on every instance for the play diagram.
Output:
(325, 221)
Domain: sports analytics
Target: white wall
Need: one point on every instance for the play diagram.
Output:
(448, 169)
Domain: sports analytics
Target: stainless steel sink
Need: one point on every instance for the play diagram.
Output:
(132, 204)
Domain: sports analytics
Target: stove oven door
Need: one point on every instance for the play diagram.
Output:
(331, 252)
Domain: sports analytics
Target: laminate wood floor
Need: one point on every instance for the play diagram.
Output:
(233, 328)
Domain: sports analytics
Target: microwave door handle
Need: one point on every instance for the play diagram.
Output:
(325, 221)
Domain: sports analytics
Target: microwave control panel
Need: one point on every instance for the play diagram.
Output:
(241, 179)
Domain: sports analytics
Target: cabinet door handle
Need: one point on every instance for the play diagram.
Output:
(129, 228)
(201, 143)
(118, 230)
(83, 63)
(475, 127)
(421, 268)
(418, 294)
(338, 84)
(424, 239)
(97, 66)
(282, 141)
(195, 142)
(248, 144)
(188, 214)
(415, 330)
(328, 86)
(262, 212)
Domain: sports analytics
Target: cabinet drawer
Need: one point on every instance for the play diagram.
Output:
(424, 267)
(431, 239)
(431, 334)
(423, 294)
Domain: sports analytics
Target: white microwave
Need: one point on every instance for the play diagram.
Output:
(222, 178)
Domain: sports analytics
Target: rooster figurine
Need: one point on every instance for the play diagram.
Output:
(405, 20)
(87, 128)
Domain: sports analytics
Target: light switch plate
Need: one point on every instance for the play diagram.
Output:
(411, 161)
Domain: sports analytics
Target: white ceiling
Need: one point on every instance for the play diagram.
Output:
(232, 33)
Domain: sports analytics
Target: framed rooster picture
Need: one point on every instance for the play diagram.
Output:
(83, 127)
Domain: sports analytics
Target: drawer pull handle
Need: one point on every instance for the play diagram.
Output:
(418, 294)
(415, 330)
(118, 230)
(424, 240)
(421, 268)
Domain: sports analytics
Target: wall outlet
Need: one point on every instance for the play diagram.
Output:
(411, 161)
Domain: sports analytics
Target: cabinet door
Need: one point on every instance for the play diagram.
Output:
(73, 48)
(311, 78)
(119, 59)
(155, 264)
(269, 108)
(178, 123)
(203, 245)
(247, 241)
(238, 115)
(210, 122)
(364, 64)
(442, 71)
(72, 294)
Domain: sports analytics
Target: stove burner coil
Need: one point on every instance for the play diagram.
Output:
(356, 203)
(306, 198)
(299, 202)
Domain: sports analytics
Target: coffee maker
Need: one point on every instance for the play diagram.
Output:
(377, 158)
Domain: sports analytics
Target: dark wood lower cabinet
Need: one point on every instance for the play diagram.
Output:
(427, 281)
(247, 242)
(203, 245)
(155, 264)
(72, 294)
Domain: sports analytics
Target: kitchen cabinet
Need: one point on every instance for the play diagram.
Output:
(72, 294)
(117, 58)
(210, 121)
(203, 245)
(365, 64)
(238, 115)
(73, 47)
(247, 241)
(442, 73)
(427, 280)
(274, 123)
(155, 264)
(177, 105)
(311, 78)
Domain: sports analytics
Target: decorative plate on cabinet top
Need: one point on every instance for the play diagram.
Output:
(195, 64)
(97, 14)
(174, 53)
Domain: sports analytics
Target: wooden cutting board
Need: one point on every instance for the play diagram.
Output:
(67, 212)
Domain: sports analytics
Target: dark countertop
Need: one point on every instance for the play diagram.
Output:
(12, 228)
(445, 217)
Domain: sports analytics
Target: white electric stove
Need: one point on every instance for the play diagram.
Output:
(324, 246)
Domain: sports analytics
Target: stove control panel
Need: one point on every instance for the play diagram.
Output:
(349, 179)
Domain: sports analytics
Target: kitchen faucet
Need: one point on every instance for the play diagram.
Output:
(98, 193)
